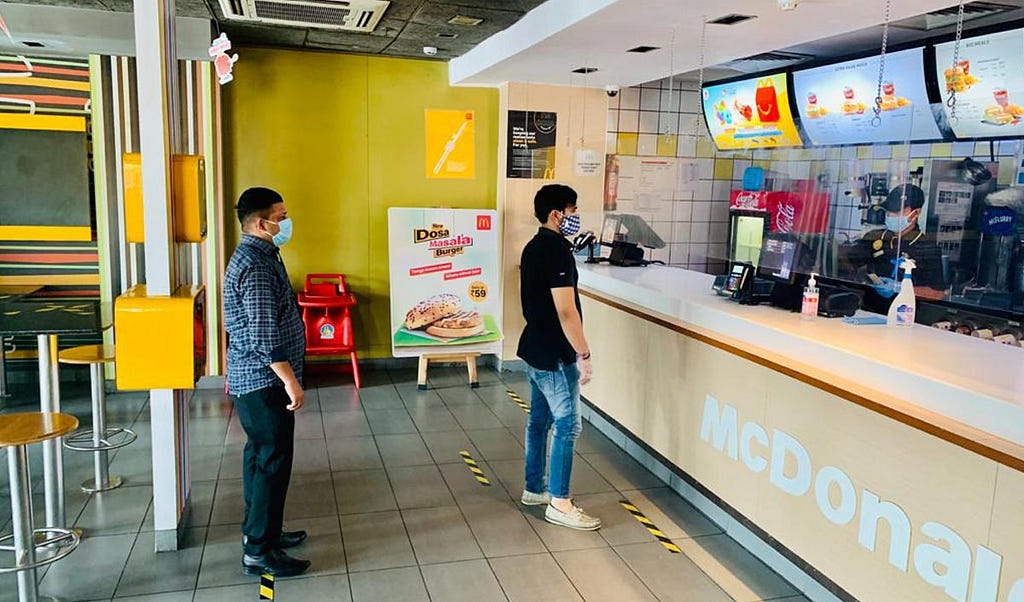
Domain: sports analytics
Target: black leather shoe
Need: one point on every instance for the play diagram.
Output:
(274, 562)
(290, 539)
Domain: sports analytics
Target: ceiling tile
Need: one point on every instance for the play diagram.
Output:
(95, 4)
(349, 42)
(269, 36)
(414, 50)
(515, 5)
(438, 14)
(402, 9)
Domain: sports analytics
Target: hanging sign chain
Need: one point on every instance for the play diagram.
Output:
(671, 80)
(954, 79)
(700, 76)
(877, 120)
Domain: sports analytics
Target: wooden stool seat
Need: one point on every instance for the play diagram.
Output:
(87, 354)
(33, 427)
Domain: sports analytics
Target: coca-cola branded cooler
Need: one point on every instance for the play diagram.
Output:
(752, 214)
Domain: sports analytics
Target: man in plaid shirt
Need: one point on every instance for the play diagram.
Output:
(266, 350)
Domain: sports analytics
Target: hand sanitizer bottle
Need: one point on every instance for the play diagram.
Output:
(904, 306)
(809, 307)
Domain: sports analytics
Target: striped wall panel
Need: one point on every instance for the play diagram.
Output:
(44, 86)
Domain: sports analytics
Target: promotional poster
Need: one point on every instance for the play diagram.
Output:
(752, 113)
(531, 144)
(444, 278)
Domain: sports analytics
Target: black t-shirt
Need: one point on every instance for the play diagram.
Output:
(877, 250)
(547, 263)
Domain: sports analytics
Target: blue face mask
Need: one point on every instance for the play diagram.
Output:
(897, 223)
(284, 232)
(570, 225)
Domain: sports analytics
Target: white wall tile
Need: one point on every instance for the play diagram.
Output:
(629, 98)
(648, 145)
(719, 211)
(629, 121)
(690, 102)
(721, 190)
(719, 234)
(611, 143)
(679, 254)
(683, 211)
(681, 232)
(738, 167)
(668, 123)
(849, 152)
(963, 149)
(919, 151)
(701, 213)
(663, 229)
(686, 145)
(612, 124)
(706, 171)
(650, 99)
(648, 122)
(688, 124)
(719, 251)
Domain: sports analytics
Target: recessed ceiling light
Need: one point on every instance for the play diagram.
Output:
(731, 19)
(463, 20)
(448, 36)
(643, 49)
(584, 70)
(32, 44)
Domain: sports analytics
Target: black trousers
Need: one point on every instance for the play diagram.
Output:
(266, 465)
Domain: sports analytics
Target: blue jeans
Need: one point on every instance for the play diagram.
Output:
(554, 401)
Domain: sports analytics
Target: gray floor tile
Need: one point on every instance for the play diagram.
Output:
(202, 506)
(501, 529)
(314, 589)
(403, 450)
(236, 434)
(413, 397)
(311, 458)
(222, 559)
(440, 535)
(459, 395)
(433, 419)
(558, 538)
(676, 517)
(381, 397)
(207, 431)
(231, 462)
(510, 473)
(450, 582)
(339, 398)
(495, 395)
(672, 577)
(183, 596)
(230, 593)
(511, 416)
(585, 479)
(467, 490)
(496, 444)
(309, 425)
(135, 466)
(390, 422)
(360, 491)
(419, 487)
(392, 584)
(323, 548)
(85, 574)
(116, 512)
(476, 416)
(376, 541)
(536, 578)
(310, 496)
(353, 453)
(622, 471)
(228, 504)
(445, 447)
(737, 571)
(148, 572)
(349, 423)
(602, 575)
(618, 527)
(593, 441)
(205, 462)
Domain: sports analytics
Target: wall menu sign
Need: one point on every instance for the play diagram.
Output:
(531, 144)
(836, 102)
(989, 84)
(750, 113)
(444, 279)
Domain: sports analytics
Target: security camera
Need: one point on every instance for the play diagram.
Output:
(611, 90)
(429, 50)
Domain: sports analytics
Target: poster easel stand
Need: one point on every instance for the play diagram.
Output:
(469, 358)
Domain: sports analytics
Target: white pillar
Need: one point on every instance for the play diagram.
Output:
(156, 60)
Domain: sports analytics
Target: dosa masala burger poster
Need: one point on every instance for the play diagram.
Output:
(444, 278)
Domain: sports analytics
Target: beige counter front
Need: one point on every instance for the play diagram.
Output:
(867, 453)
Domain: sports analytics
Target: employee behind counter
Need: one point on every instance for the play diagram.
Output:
(872, 258)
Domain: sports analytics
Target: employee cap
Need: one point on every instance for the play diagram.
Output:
(914, 198)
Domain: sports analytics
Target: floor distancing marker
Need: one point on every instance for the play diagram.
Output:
(266, 587)
(519, 401)
(473, 468)
(655, 531)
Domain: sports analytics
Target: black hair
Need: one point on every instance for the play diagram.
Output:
(904, 195)
(256, 202)
(553, 197)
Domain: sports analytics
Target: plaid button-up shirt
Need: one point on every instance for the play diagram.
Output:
(261, 316)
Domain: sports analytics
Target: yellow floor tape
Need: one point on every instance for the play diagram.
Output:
(519, 401)
(266, 587)
(473, 468)
(655, 531)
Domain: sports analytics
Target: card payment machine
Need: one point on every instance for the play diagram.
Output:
(742, 285)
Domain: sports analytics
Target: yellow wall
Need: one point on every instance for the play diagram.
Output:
(341, 137)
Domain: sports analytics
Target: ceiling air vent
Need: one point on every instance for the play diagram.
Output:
(347, 15)
(731, 19)
(767, 61)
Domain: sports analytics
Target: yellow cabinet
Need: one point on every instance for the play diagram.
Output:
(160, 340)
(188, 197)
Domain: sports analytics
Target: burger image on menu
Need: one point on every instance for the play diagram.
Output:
(442, 316)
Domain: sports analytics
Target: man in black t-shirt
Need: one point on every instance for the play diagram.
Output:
(556, 353)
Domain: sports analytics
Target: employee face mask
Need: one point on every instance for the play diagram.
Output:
(284, 232)
(570, 225)
(897, 223)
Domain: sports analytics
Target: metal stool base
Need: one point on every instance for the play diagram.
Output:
(82, 439)
(60, 541)
(113, 482)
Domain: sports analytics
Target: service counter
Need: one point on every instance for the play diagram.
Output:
(888, 463)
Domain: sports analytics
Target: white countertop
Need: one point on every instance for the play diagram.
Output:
(974, 382)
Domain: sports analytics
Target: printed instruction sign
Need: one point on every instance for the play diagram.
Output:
(444, 278)
(450, 144)
(531, 144)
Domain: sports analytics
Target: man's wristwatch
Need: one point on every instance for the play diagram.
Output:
(583, 356)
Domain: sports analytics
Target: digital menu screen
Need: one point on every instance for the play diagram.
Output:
(989, 84)
(837, 102)
(752, 113)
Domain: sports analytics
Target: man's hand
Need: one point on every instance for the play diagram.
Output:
(586, 370)
(296, 394)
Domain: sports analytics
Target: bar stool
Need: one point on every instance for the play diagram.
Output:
(99, 439)
(17, 432)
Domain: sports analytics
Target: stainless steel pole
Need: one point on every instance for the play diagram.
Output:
(53, 458)
(21, 522)
(99, 429)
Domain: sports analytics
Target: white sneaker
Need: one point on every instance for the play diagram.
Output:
(535, 499)
(575, 519)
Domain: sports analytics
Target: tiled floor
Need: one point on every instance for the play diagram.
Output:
(392, 510)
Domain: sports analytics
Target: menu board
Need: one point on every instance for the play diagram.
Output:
(989, 84)
(836, 102)
(752, 113)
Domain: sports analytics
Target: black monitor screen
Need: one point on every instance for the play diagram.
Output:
(778, 258)
(610, 230)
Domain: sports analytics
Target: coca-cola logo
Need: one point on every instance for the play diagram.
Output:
(746, 200)
(785, 217)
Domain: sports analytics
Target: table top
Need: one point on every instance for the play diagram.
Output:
(32, 427)
(27, 316)
(87, 354)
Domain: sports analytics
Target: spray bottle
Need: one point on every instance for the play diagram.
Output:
(809, 307)
(904, 306)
